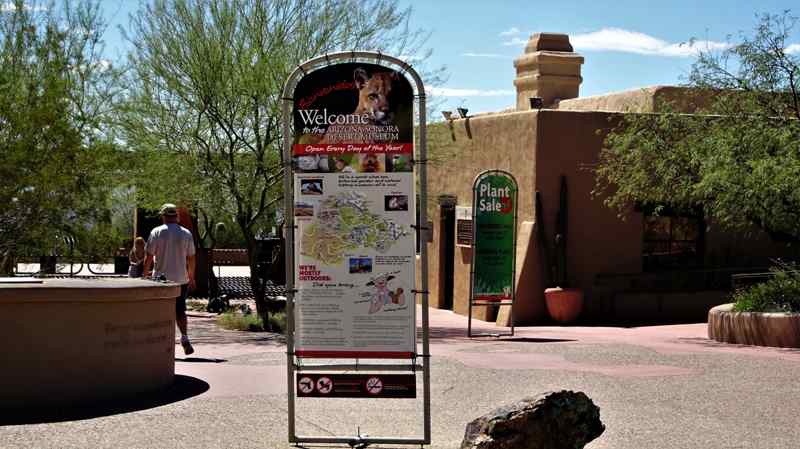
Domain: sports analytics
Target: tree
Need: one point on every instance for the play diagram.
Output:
(207, 78)
(54, 92)
(738, 161)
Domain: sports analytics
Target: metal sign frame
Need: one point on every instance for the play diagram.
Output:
(420, 360)
(472, 301)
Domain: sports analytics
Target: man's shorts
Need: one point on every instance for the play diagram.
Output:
(180, 302)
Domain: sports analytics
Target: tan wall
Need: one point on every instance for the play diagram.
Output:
(538, 147)
(645, 99)
(597, 240)
(498, 141)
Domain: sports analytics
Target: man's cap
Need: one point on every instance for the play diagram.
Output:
(168, 210)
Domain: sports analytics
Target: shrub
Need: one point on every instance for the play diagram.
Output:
(235, 320)
(196, 305)
(277, 321)
(232, 320)
(781, 293)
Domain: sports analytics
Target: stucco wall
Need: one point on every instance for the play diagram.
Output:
(598, 241)
(497, 141)
(645, 99)
(538, 147)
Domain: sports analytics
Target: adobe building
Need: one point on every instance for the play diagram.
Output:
(639, 267)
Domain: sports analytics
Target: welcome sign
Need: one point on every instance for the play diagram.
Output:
(357, 166)
(354, 197)
(494, 236)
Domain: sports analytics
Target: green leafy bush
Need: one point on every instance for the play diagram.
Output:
(240, 322)
(277, 321)
(235, 320)
(196, 305)
(781, 293)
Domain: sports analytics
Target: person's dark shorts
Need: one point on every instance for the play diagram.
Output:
(180, 302)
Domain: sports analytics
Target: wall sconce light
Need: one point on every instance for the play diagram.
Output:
(462, 112)
(536, 102)
(448, 115)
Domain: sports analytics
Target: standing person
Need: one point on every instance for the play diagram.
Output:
(172, 247)
(136, 259)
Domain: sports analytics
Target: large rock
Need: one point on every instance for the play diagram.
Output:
(560, 420)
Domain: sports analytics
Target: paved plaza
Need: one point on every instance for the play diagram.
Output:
(656, 386)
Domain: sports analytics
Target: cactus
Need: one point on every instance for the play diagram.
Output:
(555, 275)
(562, 219)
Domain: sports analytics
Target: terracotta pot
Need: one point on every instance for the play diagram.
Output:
(564, 304)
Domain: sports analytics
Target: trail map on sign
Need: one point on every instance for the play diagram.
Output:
(345, 224)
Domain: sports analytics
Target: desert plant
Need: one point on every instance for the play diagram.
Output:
(560, 240)
(780, 293)
(236, 320)
(195, 305)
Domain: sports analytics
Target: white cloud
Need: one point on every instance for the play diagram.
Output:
(486, 55)
(513, 31)
(516, 41)
(617, 39)
(625, 41)
(793, 49)
(453, 92)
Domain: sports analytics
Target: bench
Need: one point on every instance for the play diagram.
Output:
(680, 294)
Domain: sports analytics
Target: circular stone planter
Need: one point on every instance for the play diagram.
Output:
(751, 328)
(77, 341)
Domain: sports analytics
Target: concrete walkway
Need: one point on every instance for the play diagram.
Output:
(657, 387)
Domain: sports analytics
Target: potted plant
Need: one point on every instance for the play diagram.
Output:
(564, 304)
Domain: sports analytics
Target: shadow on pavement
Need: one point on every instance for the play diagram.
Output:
(709, 343)
(183, 388)
(535, 340)
(459, 334)
(200, 360)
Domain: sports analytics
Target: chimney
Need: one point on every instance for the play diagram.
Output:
(548, 69)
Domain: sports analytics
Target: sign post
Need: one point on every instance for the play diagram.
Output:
(350, 185)
(494, 241)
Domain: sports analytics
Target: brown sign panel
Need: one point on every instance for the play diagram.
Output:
(356, 385)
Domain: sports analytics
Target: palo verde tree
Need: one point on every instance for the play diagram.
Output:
(55, 92)
(738, 157)
(206, 80)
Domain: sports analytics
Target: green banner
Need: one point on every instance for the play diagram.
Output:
(494, 212)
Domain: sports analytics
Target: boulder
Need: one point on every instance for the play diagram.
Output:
(553, 420)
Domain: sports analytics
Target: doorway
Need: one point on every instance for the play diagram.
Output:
(447, 248)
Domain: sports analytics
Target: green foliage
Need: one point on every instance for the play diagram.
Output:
(55, 154)
(235, 320)
(781, 293)
(204, 109)
(196, 305)
(240, 322)
(277, 322)
(739, 162)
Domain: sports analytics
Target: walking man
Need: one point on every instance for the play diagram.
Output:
(171, 247)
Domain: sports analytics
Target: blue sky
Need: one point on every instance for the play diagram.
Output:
(626, 44)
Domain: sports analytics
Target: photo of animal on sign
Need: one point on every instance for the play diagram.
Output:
(357, 103)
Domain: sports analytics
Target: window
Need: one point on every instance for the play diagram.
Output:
(672, 240)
